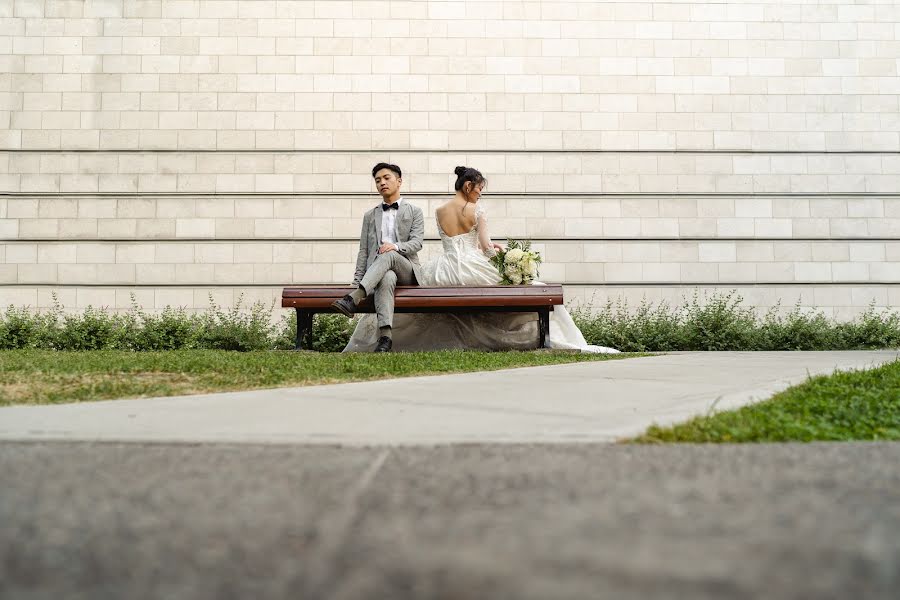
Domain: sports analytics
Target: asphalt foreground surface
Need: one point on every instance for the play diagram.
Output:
(173, 521)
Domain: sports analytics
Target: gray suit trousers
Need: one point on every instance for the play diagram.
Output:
(387, 272)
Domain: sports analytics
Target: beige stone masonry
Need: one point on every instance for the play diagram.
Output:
(177, 148)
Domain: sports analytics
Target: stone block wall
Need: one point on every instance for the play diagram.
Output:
(177, 149)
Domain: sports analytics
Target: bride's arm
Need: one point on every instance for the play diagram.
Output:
(484, 238)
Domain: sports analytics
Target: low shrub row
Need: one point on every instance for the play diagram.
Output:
(239, 328)
(720, 322)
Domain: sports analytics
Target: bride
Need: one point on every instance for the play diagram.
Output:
(462, 225)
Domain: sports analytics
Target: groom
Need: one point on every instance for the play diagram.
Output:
(391, 237)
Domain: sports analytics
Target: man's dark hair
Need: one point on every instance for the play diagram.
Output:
(393, 168)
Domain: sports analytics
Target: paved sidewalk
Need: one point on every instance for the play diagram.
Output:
(585, 402)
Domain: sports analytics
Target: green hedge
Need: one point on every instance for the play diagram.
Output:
(721, 322)
(241, 329)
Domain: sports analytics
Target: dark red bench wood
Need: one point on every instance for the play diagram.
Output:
(309, 300)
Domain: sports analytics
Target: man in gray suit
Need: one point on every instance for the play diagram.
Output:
(391, 237)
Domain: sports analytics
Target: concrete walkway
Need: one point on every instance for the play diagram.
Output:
(586, 402)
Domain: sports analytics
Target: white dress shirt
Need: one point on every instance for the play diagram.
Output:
(389, 225)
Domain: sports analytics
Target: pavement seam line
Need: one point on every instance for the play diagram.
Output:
(370, 474)
(324, 583)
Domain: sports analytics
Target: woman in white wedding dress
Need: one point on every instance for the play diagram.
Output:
(462, 225)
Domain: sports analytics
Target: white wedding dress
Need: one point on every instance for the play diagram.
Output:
(464, 263)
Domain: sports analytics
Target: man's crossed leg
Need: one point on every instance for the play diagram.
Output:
(387, 272)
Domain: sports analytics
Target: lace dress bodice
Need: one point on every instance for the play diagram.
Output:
(464, 242)
(465, 258)
(475, 240)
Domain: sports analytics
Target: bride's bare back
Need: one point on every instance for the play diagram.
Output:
(456, 217)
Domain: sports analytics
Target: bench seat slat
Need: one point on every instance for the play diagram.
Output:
(309, 300)
(411, 297)
(324, 304)
(431, 292)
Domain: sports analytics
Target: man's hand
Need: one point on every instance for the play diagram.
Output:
(387, 247)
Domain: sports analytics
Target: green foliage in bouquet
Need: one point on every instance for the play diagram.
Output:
(518, 263)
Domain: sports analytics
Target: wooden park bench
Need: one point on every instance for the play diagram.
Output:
(309, 300)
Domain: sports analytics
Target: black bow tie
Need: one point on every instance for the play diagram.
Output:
(395, 206)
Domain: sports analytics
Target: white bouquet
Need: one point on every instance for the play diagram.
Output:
(518, 264)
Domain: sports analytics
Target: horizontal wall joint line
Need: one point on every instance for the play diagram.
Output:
(347, 240)
(731, 284)
(383, 151)
(415, 195)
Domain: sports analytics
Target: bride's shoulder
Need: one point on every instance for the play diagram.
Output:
(444, 209)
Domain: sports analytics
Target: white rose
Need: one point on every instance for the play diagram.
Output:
(532, 268)
(514, 255)
(515, 278)
(514, 270)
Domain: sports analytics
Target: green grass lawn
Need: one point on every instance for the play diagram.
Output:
(850, 405)
(47, 377)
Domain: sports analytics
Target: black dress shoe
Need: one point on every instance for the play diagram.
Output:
(384, 344)
(344, 306)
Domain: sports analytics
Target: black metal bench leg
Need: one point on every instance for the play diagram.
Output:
(543, 326)
(304, 329)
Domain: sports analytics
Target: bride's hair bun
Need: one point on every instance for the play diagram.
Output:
(464, 174)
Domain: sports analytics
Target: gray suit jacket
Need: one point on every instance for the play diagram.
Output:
(410, 233)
